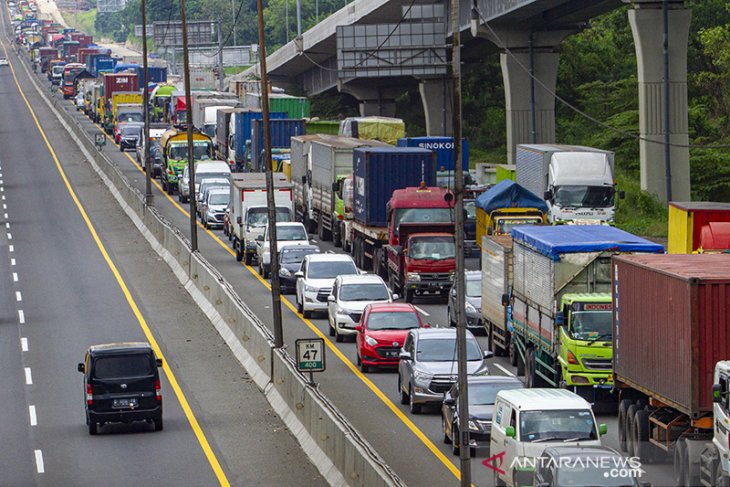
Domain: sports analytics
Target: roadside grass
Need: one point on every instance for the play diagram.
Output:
(82, 21)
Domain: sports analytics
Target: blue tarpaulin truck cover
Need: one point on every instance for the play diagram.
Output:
(508, 194)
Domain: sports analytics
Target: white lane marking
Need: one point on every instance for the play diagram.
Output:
(39, 461)
(15, 277)
(18, 296)
(5, 206)
(31, 413)
(24, 344)
(11, 248)
(12, 261)
(28, 376)
(421, 311)
(3, 197)
(504, 370)
(6, 215)
(21, 316)
(10, 236)
(7, 224)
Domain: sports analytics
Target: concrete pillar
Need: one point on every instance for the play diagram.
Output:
(436, 95)
(518, 100)
(647, 28)
(373, 100)
(377, 107)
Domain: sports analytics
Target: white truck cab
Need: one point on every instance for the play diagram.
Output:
(527, 421)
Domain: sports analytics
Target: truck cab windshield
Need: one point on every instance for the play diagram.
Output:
(209, 129)
(422, 215)
(435, 248)
(179, 152)
(591, 325)
(259, 217)
(504, 226)
(584, 196)
(130, 117)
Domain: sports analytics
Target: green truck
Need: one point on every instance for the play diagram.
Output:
(557, 308)
(174, 147)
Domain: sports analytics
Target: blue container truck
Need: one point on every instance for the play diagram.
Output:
(242, 132)
(281, 133)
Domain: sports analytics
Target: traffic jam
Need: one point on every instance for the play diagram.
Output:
(585, 313)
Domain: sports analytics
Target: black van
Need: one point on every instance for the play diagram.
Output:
(121, 384)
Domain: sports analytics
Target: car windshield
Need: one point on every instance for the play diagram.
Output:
(584, 196)
(474, 288)
(435, 248)
(588, 325)
(505, 225)
(364, 292)
(423, 215)
(557, 425)
(389, 320)
(128, 130)
(218, 199)
(444, 350)
(294, 232)
(122, 366)
(259, 217)
(296, 255)
(594, 471)
(330, 269)
(482, 394)
(130, 117)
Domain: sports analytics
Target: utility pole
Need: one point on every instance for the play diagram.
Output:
(273, 247)
(464, 451)
(189, 123)
(233, 16)
(146, 103)
(221, 73)
(667, 114)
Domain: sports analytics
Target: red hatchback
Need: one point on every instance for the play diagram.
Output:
(381, 332)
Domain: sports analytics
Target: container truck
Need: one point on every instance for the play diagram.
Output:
(293, 106)
(248, 210)
(204, 112)
(560, 305)
(671, 317)
(222, 125)
(687, 221)
(505, 205)
(129, 102)
(68, 84)
(115, 83)
(174, 148)
(331, 163)
(301, 178)
(280, 130)
(405, 168)
(239, 134)
(576, 182)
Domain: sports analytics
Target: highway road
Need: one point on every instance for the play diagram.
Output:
(73, 272)
(411, 444)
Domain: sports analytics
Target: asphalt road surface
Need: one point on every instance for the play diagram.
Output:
(411, 444)
(75, 272)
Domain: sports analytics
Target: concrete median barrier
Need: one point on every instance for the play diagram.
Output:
(340, 453)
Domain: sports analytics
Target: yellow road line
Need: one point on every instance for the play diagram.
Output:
(212, 459)
(370, 385)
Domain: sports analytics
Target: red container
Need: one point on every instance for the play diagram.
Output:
(114, 82)
(671, 325)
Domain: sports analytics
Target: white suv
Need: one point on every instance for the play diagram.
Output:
(287, 233)
(315, 279)
(350, 295)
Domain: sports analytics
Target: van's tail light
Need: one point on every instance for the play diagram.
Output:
(157, 390)
(89, 396)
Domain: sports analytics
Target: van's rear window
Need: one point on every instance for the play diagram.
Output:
(118, 367)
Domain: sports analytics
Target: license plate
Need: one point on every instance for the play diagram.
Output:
(391, 354)
(124, 403)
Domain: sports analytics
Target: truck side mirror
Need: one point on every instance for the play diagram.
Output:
(404, 356)
(489, 231)
(717, 392)
(304, 179)
(548, 195)
(336, 187)
(505, 300)
(260, 238)
(509, 432)
(81, 368)
(158, 362)
(239, 220)
(602, 429)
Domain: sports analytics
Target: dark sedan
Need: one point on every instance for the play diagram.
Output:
(290, 260)
(482, 395)
(129, 135)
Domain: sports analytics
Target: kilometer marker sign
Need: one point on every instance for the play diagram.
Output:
(310, 355)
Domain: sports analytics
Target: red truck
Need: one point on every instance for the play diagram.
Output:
(113, 83)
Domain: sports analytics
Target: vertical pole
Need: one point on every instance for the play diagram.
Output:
(533, 113)
(316, 11)
(667, 114)
(221, 73)
(273, 247)
(299, 18)
(146, 104)
(463, 439)
(233, 22)
(286, 15)
(189, 123)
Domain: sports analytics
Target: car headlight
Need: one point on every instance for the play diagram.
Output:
(470, 308)
(284, 272)
(370, 341)
(422, 378)
(309, 289)
(474, 426)
(414, 276)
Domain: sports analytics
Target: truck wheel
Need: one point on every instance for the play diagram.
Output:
(513, 355)
(642, 447)
(408, 295)
(680, 462)
(720, 479)
(530, 369)
(628, 427)
(623, 407)
(170, 188)
(336, 239)
(520, 363)
(320, 228)
(248, 256)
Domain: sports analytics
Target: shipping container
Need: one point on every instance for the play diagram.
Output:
(222, 124)
(444, 149)
(294, 106)
(380, 171)
(242, 123)
(506, 172)
(281, 132)
(686, 221)
(114, 82)
(324, 127)
(671, 320)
